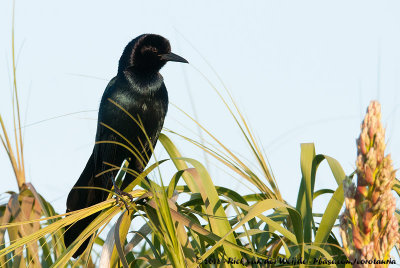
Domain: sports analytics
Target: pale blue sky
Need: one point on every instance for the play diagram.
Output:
(301, 71)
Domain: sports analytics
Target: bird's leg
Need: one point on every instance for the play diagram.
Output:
(119, 193)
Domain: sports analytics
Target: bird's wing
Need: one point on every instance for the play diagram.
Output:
(106, 151)
(105, 157)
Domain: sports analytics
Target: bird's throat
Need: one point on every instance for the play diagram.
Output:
(144, 85)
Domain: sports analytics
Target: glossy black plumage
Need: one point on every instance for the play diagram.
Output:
(139, 89)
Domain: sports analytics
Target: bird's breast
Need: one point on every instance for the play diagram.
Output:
(129, 112)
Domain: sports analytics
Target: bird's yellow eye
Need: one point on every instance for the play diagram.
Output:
(155, 50)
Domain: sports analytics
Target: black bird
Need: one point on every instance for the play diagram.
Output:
(140, 91)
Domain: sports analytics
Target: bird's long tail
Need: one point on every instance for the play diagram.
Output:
(74, 230)
(79, 199)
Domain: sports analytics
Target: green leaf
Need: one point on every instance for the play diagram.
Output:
(199, 181)
(120, 233)
(304, 200)
(321, 192)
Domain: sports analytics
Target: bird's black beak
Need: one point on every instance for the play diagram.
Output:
(173, 57)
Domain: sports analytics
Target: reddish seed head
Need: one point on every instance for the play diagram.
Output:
(369, 178)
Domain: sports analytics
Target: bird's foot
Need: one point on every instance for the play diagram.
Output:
(119, 193)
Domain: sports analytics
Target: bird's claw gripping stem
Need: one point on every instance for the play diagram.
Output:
(119, 192)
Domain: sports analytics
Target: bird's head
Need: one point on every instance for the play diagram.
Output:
(147, 54)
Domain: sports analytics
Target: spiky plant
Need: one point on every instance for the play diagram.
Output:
(369, 228)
